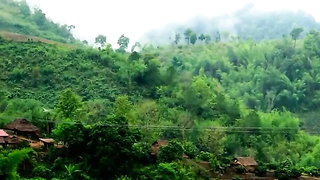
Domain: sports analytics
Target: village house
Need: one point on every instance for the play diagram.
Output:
(3, 135)
(47, 142)
(21, 126)
(247, 162)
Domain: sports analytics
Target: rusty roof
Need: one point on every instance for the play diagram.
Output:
(246, 161)
(3, 133)
(23, 125)
(47, 140)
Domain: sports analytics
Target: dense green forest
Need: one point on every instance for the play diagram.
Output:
(213, 99)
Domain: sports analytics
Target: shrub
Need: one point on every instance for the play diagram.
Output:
(190, 149)
(172, 152)
(312, 171)
(240, 169)
(261, 170)
(287, 170)
(42, 171)
(205, 156)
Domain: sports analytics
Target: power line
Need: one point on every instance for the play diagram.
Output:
(215, 129)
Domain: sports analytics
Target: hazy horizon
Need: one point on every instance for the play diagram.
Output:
(136, 18)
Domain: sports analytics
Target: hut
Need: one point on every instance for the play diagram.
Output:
(21, 126)
(47, 142)
(3, 135)
(12, 140)
(247, 162)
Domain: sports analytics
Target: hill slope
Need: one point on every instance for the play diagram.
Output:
(18, 17)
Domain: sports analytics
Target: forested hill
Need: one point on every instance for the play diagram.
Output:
(207, 99)
(247, 22)
(18, 17)
(242, 88)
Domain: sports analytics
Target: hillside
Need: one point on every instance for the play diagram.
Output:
(18, 17)
(169, 112)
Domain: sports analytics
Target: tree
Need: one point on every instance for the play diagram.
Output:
(24, 8)
(188, 34)
(207, 38)
(218, 38)
(137, 44)
(225, 35)
(85, 42)
(173, 151)
(295, 33)
(112, 146)
(39, 17)
(202, 37)
(69, 106)
(123, 42)
(101, 39)
(71, 27)
(193, 38)
(177, 38)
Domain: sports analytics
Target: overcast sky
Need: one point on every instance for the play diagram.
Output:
(134, 17)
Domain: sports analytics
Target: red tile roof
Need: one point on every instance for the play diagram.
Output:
(3, 133)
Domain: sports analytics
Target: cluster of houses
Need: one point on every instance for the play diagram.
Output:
(248, 163)
(22, 130)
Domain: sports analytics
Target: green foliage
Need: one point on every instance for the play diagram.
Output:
(261, 170)
(177, 38)
(18, 17)
(193, 38)
(205, 156)
(287, 170)
(168, 171)
(70, 105)
(190, 149)
(101, 40)
(123, 42)
(234, 96)
(311, 171)
(173, 151)
(42, 171)
(240, 169)
(10, 161)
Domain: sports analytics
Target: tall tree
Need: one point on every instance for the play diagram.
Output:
(202, 37)
(123, 42)
(69, 106)
(193, 38)
(218, 38)
(177, 38)
(137, 44)
(295, 33)
(208, 38)
(101, 39)
(188, 34)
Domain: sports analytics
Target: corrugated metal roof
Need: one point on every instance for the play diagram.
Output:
(3, 133)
